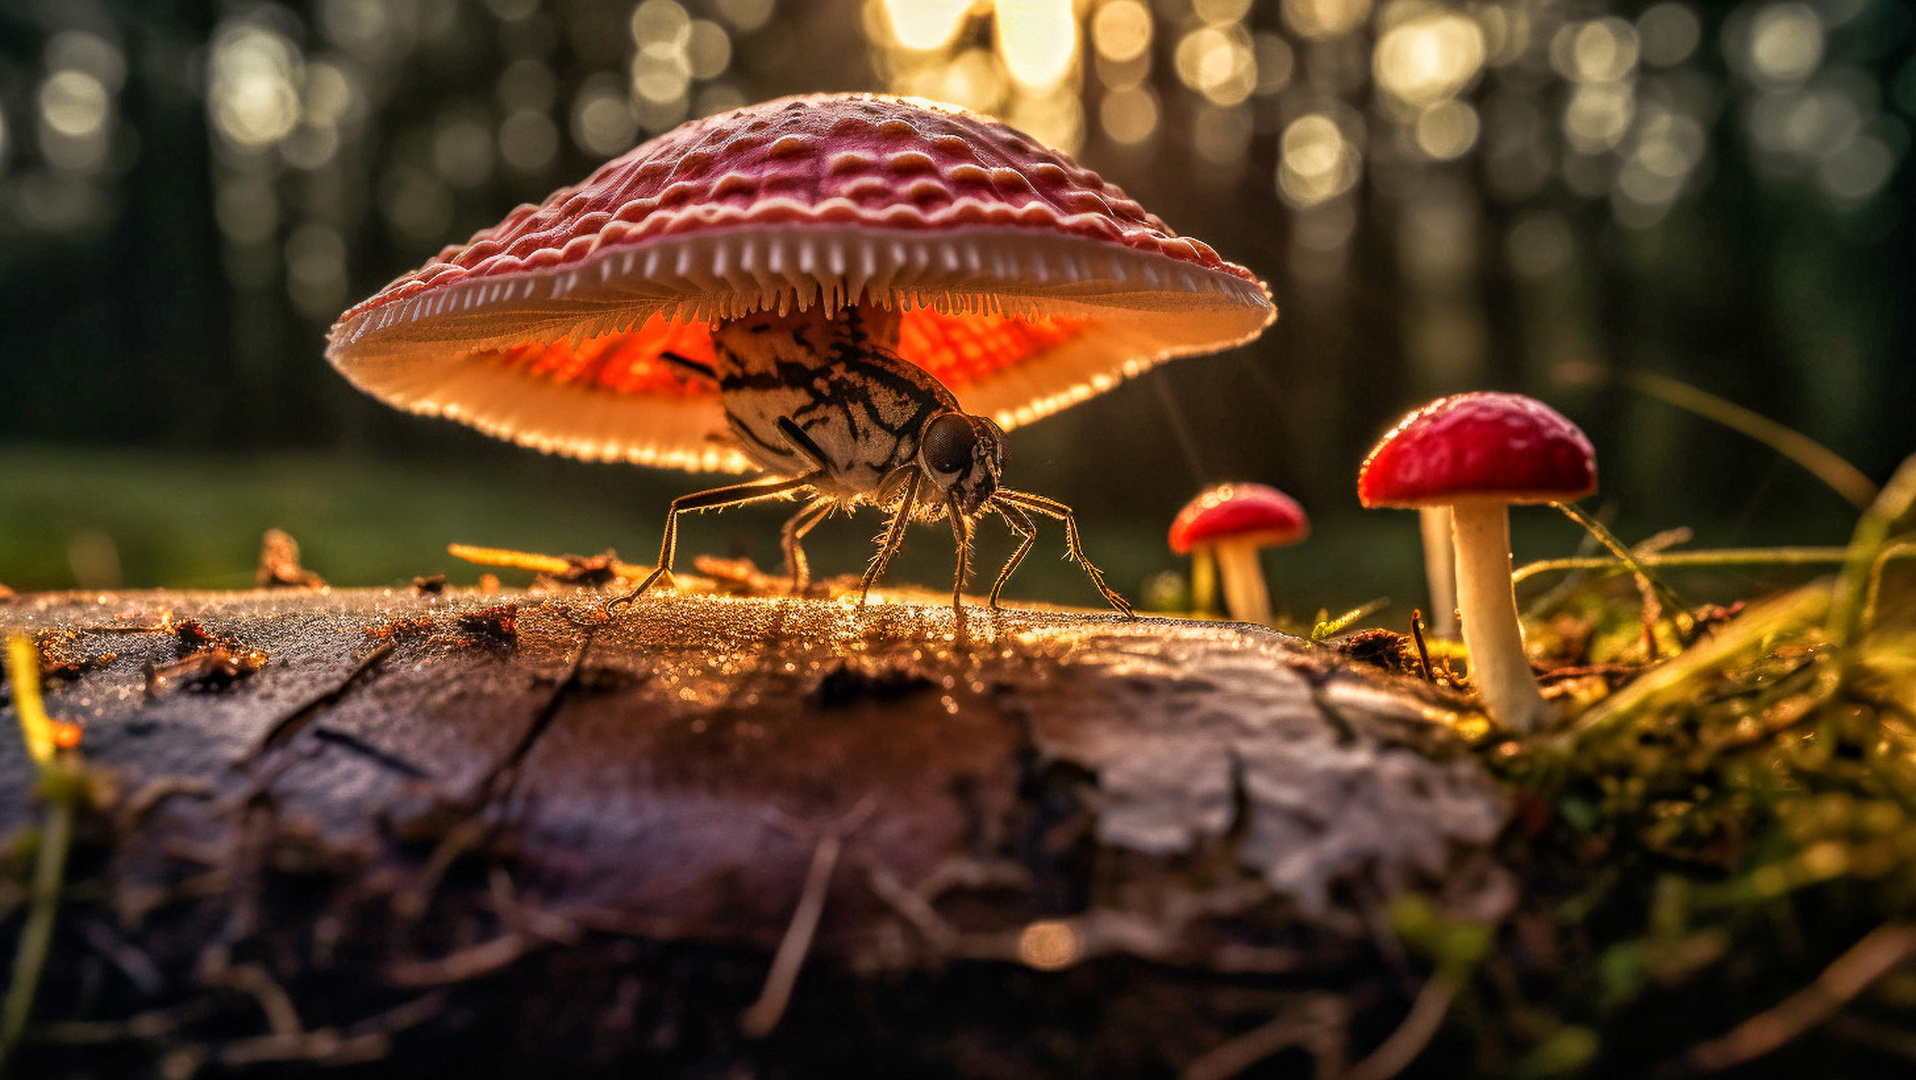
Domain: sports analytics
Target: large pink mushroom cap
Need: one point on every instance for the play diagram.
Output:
(1027, 282)
(1504, 447)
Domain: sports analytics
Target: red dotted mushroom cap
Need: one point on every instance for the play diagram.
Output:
(1505, 447)
(1245, 513)
(1027, 281)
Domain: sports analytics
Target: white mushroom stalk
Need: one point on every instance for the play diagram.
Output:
(1499, 669)
(1247, 596)
(1440, 569)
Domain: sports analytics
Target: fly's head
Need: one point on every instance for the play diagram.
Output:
(962, 455)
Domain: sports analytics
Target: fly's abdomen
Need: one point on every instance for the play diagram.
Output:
(833, 376)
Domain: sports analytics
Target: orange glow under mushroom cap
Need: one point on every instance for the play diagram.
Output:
(1027, 282)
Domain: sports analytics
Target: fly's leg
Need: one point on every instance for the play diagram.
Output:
(961, 536)
(792, 537)
(1021, 524)
(715, 499)
(1054, 509)
(894, 537)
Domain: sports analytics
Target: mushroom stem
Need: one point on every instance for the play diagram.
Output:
(1440, 568)
(1245, 594)
(1488, 607)
(1203, 581)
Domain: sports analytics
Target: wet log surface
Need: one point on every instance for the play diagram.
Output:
(432, 833)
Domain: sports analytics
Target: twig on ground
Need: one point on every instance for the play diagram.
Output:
(758, 1020)
(1318, 1024)
(461, 966)
(289, 725)
(1420, 1025)
(1879, 952)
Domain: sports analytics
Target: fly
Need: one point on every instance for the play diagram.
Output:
(822, 403)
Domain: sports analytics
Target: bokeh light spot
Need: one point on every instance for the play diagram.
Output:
(1325, 18)
(1668, 33)
(1038, 40)
(528, 140)
(1050, 945)
(1785, 43)
(1129, 115)
(1428, 59)
(251, 92)
(1121, 30)
(709, 49)
(745, 15)
(925, 25)
(74, 103)
(1856, 171)
(602, 119)
(1316, 161)
(1447, 130)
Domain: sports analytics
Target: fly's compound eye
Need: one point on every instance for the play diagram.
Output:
(948, 445)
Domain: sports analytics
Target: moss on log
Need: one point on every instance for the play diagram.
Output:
(424, 832)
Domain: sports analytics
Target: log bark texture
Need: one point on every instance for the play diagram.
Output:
(515, 833)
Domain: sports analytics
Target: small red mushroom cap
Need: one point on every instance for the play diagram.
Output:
(1025, 281)
(1246, 513)
(1504, 447)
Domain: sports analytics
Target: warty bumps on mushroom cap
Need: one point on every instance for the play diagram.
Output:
(1023, 281)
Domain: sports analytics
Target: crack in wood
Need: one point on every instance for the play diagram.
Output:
(286, 727)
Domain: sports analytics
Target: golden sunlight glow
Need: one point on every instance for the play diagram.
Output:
(1055, 119)
(1049, 945)
(1429, 59)
(1038, 40)
(925, 25)
(972, 79)
(1121, 30)
(1325, 18)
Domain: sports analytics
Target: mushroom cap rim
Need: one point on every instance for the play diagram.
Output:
(1486, 498)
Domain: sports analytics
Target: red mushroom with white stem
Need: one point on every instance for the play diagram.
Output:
(1230, 524)
(1477, 454)
(853, 294)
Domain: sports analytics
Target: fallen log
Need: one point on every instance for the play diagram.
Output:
(442, 830)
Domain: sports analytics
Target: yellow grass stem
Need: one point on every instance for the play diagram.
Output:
(1781, 556)
(526, 560)
(1823, 463)
(56, 836)
(23, 672)
(1853, 599)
